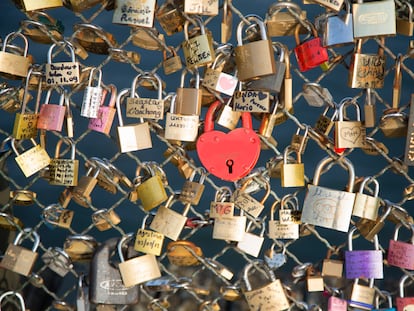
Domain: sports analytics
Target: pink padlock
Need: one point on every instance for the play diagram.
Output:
(401, 254)
(51, 116)
(106, 114)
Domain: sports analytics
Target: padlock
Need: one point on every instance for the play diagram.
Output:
(251, 101)
(80, 248)
(105, 283)
(56, 216)
(310, 53)
(139, 269)
(279, 229)
(64, 172)
(19, 259)
(32, 160)
(370, 112)
(104, 219)
(332, 267)
(148, 241)
(393, 122)
(289, 212)
(222, 205)
(230, 227)
(327, 207)
(292, 174)
(105, 117)
(336, 29)
(337, 303)
(170, 17)
(148, 38)
(188, 99)
(246, 202)
(134, 13)
(81, 193)
(403, 301)
(51, 116)
(93, 38)
(79, 6)
(369, 228)
(57, 260)
(25, 123)
(272, 83)
(363, 263)
(29, 5)
(366, 206)
(280, 23)
(362, 296)
(10, 99)
(62, 73)
(387, 300)
(82, 294)
(201, 7)
(93, 95)
(226, 22)
(217, 80)
(22, 197)
(299, 141)
(218, 268)
(13, 65)
(13, 293)
(168, 222)
(271, 296)
(325, 123)
(192, 190)
(183, 253)
(314, 280)
(109, 176)
(316, 95)
(270, 120)
(198, 50)
(374, 18)
(228, 156)
(252, 243)
(372, 65)
(275, 259)
(124, 56)
(145, 108)
(171, 61)
(404, 21)
(349, 134)
(249, 66)
(150, 188)
(10, 222)
(227, 116)
(131, 137)
(401, 254)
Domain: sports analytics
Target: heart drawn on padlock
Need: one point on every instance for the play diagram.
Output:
(227, 82)
(351, 134)
(228, 156)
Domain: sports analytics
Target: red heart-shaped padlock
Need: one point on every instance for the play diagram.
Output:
(228, 156)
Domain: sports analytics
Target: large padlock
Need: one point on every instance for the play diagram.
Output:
(336, 29)
(51, 116)
(227, 116)
(168, 222)
(32, 160)
(25, 123)
(310, 53)
(62, 73)
(93, 95)
(230, 227)
(292, 174)
(64, 172)
(134, 13)
(148, 241)
(105, 285)
(327, 207)
(280, 23)
(349, 133)
(401, 254)
(270, 297)
(249, 66)
(30, 5)
(228, 156)
(138, 269)
(279, 229)
(198, 50)
(363, 263)
(19, 259)
(13, 65)
(374, 18)
(145, 108)
(404, 22)
(131, 137)
(188, 99)
(366, 206)
(362, 296)
(401, 300)
(367, 70)
(106, 114)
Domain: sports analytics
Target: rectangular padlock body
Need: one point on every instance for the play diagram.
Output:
(188, 101)
(16, 65)
(339, 30)
(366, 71)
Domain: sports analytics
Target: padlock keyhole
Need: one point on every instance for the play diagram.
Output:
(229, 164)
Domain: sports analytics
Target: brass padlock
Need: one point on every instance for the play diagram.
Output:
(201, 7)
(93, 38)
(192, 190)
(230, 227)
(404, 21)
(171, 62)
(222, 205)
(248, 203)
(362, 296)
(30, 5)
(14, 66)
(170, 16)
(56, 215)
(80, 247)
(32, 160)
(332, 267)
(104, 219)
(148, 241)
(134, 13)
(314, 280)
(292, 174)
(284, 23)
(148, 38)
(81, 193)
(183, 253)
(80, 5)
(64, 172)
(367, 205)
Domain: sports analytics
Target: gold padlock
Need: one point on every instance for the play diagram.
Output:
(183, 253)
(14, 66)
(104, 219)
(170, 16)
(93, 38)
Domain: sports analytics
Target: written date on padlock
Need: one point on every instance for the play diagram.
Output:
(62, 73)
(148, 240)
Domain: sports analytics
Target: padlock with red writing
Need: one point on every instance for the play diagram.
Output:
(228, 156)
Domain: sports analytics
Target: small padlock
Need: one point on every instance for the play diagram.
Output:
(289, 212)
(362, 296)
(326, 207)
(404, 21)
(139, 269)
(370, 112)
(64, 172)
(324, 123)
(172, 61)
(401, 254)
(363, 263)
(270, 120)
(148, 38)
(32, 160)
(168, 222)
(248, 203)
(93, 96)
(184, 253)
(249, 66)
(280, 23)
(369, 228)
(292, 174)
(57, 260)
(252, 243)
(227, 116)
(145, 108)
(105, 116)
(52, 116)
(222, 205)
(230, 227)
(332, 267)
(131, 137)
(62, 73)
(170, 17)
(337, 303)
(202, 7)
(80, 248)
(104, 219)
(251, 101)
(55, 215)
(134, 13)
(25, 123)
(148, 241)
(268, 297)
(309, 54)
(316, 95)
(192, 191)
(93, 38)
(366, 206)
(13, 65)
(188, 99)
(81, 193)
(226, 22)
(299, 141)
(279, 230)
(275, 259)
(19, 259)
(314, 280)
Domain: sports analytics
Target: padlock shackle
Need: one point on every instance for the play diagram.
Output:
(278, 6)
(326, 161)
(309, 26)
(367, 181)
(29, 232)
(250, 18)
(387, 295)
(92, 73)
(96, 30)
(344, 104)
(222, 194)
(265, 182)
(50, 213)
(201, 171)
(123, 240)
(256, 263)
(404, 278)
(10, 220)
(396, 85)
(194, 72)
(350, 237)
(291, 199)
(122, 93)
(26, 89)
(18, 295)
(12, 36)
(147, 76)
(198, 22)
(69, 141)
(63, 44)
(397, 231)
(288, 150)
(57, 251)
(273, 209)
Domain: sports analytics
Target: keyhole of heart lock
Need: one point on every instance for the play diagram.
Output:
(229, 164)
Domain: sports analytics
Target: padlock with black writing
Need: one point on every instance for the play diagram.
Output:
(192, 190)
(13, 65)
(278, 229)
(93, 96)
(247, 202)
(171, 61)
(104, 219)
(201, 7)
(64, 172)
(367, 205)
(148, 241)
(57, 216)
(134, 13)
(106, 114)
(32, 160)
(281, 22)
(324, 124)
(62, 73)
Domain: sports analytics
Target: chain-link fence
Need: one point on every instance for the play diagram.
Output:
(121, 196)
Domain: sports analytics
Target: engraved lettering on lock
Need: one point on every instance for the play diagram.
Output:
(351, 134)
(114, 287)
(373, 18)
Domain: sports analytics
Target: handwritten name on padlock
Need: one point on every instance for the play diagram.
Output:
(366, 264)
(220, 209)
(149, 242)
(251, 101)
(62, 73)
(148, 108)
